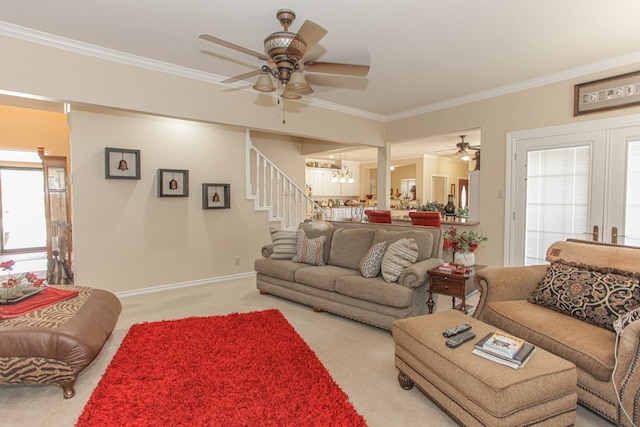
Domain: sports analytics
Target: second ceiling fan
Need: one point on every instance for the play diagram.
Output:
(285, 58)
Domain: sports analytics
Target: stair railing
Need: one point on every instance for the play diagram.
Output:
(273, 191)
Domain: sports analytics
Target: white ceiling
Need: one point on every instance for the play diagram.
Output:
(422, 53)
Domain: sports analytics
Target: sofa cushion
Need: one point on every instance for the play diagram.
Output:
(284, 243)
(319, 228)
(424, 240)
(586, 294)
(309, 251)
(372, 261)
(589, 347)
(374, 290)
(399, 255)
(348, 247)
(322, 277)
(279, 268)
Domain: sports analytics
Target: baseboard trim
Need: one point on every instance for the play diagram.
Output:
(192, 283)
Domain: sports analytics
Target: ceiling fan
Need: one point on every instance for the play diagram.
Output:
(285, 58)
(462, 148)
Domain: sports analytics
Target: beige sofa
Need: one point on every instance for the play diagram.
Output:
(573, 303)
(339, 286)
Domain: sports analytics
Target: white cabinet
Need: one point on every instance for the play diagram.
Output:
(320, 181)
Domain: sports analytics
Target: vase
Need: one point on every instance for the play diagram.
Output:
(468, 259)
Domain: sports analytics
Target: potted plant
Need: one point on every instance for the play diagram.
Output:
(464, 244)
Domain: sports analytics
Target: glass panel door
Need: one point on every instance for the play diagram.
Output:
(623, 203)
(23, 218)
(559, 192)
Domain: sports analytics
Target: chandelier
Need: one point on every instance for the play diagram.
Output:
(343, 174)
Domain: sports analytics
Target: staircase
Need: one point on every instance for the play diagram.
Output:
(272, 191)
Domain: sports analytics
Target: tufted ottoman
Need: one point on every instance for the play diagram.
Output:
(475, 391)
(54, 344)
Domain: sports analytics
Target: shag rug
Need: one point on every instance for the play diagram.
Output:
(249, 369)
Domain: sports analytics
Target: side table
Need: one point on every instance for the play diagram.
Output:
(451, 284)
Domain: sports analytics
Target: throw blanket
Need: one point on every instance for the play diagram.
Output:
(42, 299)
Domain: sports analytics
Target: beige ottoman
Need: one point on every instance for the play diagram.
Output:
(475, 391)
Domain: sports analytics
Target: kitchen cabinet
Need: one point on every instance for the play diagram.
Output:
(320, 181)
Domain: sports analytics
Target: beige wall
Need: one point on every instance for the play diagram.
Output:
(25, 129)
(538, 107)
(125, 237)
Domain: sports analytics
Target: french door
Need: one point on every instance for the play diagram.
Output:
(576, 181)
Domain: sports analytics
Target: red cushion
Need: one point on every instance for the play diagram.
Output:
(425, 218)
(379, 217)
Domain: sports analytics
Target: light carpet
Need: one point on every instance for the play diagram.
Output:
(360, 358)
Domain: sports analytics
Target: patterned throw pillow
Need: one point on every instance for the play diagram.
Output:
(284, 243)
(309, 251)
(590, 295)
(372, 261)
(399, 255)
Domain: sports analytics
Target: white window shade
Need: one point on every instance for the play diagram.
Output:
(557, 198)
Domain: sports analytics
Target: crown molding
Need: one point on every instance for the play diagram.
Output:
(524, 85)
(34, 36)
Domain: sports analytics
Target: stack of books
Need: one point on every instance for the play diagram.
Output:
(455, 269)
(504, 349)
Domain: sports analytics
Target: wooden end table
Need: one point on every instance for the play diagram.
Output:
(451, 284)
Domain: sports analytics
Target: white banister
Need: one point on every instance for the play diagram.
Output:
(272, 191)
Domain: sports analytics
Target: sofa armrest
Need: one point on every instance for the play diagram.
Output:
(267, 250)
(506, 284)
(627, 373)
(417, 275)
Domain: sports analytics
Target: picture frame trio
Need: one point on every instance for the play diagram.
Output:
(122, 163)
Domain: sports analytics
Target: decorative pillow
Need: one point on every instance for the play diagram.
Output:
(284, 243)
(399, 255)
(319, 228)
(309, 251)
(597, 297)
(372, 261)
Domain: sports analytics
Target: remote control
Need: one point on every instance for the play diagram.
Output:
(456, 330)
(457, 340)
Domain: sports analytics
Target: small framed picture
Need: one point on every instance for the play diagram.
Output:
(121, 163)
(173, 183)
(216, 196)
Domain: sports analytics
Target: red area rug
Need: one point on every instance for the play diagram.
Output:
(249, 369)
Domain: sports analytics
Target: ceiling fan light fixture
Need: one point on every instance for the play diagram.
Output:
(464, 155)
(290, 94)
(264, 83)
(297, 81)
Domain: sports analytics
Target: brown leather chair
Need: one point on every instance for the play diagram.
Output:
(425, 218)
(379, 217)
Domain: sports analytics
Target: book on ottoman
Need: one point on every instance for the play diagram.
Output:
(519, 358)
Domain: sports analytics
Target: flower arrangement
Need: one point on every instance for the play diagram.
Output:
(466, 241)
(17, 286)
(432, 207)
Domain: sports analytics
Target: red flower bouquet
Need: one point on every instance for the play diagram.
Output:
(19, 285)
(466, 241)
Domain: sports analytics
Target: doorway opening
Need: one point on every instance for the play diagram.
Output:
(22, 218)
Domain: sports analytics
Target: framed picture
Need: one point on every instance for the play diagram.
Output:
(607, 94)
(121, 163)
(216, 196)
(173, 183)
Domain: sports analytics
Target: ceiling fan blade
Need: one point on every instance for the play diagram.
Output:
(225, 43)
(311, 33)
(333, 68)
(242, 76)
